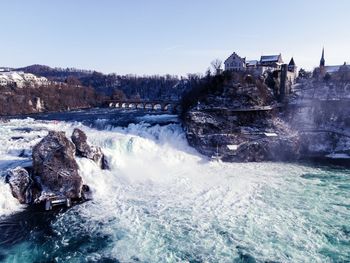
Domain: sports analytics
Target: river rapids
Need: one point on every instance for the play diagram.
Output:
(161, 201)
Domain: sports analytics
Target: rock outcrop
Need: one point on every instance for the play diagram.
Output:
(83, 149)
(55, 168)
(55, 172)
(20, 183)
(248, 136)
(239, 122)
(320, 112)
(235, 117)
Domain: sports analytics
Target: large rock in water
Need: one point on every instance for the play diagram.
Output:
(83, 149)
(55, 168)
(20, 183)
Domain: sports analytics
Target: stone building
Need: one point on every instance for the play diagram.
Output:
(258, 67)
(272, 62)
(235, 63)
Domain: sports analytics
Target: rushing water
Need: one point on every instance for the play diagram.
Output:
(163, 202)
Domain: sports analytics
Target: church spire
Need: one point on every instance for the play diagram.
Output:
(322, 61)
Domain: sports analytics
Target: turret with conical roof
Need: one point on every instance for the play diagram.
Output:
(291, 62)
(291, 65)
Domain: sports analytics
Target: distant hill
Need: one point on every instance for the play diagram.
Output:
(56, 74)
(154, 87)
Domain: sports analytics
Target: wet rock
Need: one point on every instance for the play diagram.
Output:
(281, 148)
(55, 168)
(83, 149)
(86, 193)
(16, 138)
(26, 130)
(25, 153)
(236, 136)
(20, 183)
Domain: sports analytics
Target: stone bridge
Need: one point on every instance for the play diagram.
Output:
(169, 106)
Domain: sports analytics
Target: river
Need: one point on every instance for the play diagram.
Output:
(161, 201)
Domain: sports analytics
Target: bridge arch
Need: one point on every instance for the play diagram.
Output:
(168, 107)
(132, 105)
(140, 106)
(157, 106)
(148, 106)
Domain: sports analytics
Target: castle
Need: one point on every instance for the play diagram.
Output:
(266, 63)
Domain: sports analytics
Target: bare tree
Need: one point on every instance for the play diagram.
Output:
(208, 73)
(216, 64)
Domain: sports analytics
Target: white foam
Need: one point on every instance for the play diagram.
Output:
(8, 204)
(162, 201)
(158, 117)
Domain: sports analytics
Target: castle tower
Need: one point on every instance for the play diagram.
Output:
(291, 65)
(322, 61)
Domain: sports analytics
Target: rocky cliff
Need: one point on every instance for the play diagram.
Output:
(320, 113)
(253, 133)
(242, 122)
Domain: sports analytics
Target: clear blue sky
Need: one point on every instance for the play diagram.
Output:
(170, 36)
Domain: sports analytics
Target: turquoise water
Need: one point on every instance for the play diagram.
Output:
(163, 202)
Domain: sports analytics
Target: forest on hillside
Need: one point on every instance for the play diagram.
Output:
(130, 86)
(51, 98)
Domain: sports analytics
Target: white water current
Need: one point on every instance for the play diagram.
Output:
(161, 201)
